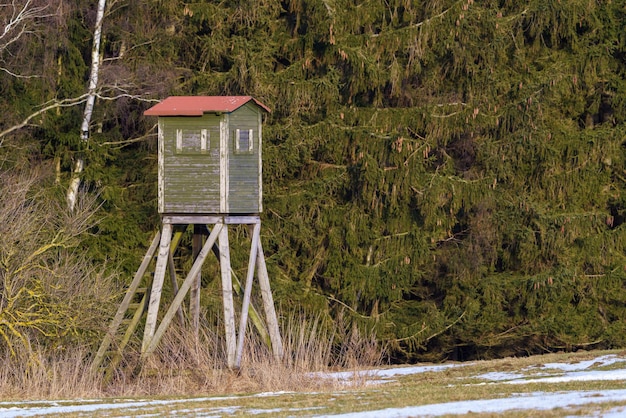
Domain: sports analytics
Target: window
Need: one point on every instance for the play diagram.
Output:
(192, 141)
(243, 140)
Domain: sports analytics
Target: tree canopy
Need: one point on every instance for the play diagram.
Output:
(449, 174)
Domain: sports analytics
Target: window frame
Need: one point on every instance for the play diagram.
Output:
(238, 138)
(203, 141)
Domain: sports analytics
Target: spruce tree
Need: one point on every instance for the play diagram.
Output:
(449, 174)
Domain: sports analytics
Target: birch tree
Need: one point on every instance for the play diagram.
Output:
(79, 165)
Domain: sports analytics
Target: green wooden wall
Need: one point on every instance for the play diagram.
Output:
(244, 166)
(190, 180)
(189, 164)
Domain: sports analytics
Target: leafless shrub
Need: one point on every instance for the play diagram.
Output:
(49, 291)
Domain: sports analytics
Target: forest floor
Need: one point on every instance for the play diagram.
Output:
(566, 384)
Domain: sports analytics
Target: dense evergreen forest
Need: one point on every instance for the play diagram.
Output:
(447, 174)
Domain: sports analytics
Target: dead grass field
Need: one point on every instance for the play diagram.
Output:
(554, 385)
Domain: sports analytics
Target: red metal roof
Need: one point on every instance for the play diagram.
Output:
(198, 105)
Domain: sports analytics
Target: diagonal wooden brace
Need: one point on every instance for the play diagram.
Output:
(182, 292)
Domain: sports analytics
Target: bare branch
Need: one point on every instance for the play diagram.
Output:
(16, 20)
(67, 103)
(125, 142)
(128, 95)
(11, 73)
(51, 105)
(19, 20)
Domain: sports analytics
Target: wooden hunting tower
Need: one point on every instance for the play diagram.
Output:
(210, 154)
(209, 178)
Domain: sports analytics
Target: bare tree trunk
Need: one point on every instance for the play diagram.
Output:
(79, 165)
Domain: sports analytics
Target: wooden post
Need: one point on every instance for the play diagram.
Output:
(256, 319)
(194, 296)
(178, 233)
(227, 297)
(174, 282)
(157, 285)
(268, 305)
(247, 292)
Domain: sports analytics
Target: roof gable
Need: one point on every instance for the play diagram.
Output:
(198, 105)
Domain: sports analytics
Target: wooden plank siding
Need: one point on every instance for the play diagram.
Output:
(201, 168)
(244, 165)
(191, 177)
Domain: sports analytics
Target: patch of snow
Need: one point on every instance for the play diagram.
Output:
(575, 372)
(54, 409)
(386, 373)
(536, 401)
(90, 406)
(263, 411)
(500, 376)
(583, 365)
(277, 410)
(617, 374)
(269, 394)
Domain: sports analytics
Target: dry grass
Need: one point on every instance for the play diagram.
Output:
(53, 300)
(173, 372)
(47, 375)
(184, 365)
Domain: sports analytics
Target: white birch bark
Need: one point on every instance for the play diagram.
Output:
(79, 165)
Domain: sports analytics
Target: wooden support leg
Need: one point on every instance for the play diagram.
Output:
(180, 297)
(256, 319)
(268, 304)
(247, 292)
(157, 286)
(227, 296)
(177, 235)
(174, 282)
(194, 296)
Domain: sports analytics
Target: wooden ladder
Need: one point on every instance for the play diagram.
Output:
(128, 316)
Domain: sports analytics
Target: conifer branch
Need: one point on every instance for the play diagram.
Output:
(350, 308)
(423, 22)
(410, 337)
